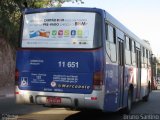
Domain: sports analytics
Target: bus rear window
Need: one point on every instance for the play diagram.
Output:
(59, 30)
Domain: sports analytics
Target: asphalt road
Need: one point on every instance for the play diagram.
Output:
(141, 110)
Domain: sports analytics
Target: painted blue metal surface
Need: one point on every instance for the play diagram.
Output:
(116, 91)
(111, 85)
(58, 71)
(76, 9)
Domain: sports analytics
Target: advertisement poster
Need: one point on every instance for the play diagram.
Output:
(58, 30)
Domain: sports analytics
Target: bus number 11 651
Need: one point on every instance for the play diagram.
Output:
(63, 64)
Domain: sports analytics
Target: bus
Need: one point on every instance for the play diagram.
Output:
(80, 58)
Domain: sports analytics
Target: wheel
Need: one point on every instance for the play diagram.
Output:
(127, 110)
(145, 98)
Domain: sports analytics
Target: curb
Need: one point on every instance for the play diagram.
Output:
(7, 96)
(2, 96)
(10, 95)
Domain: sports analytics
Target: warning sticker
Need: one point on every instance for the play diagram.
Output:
(24, 81)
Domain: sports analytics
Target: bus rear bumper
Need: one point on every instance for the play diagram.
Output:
(94, 100)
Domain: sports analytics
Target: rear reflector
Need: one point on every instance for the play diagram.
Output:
(93, 98)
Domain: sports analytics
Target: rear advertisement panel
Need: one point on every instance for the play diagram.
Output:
(58, 30)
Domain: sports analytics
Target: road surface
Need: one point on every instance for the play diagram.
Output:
(141, 110)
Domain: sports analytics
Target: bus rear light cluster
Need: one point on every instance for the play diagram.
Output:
(16, 76)
(97, 80)
(16, 93)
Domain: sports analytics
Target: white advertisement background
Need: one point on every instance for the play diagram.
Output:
(38, 28)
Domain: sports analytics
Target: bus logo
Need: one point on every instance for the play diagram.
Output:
(53, 84)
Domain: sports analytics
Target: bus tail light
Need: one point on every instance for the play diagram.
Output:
(16, 93)
(16, 76)
(98, 81)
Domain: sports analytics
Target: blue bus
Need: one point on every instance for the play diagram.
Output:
(80, 58)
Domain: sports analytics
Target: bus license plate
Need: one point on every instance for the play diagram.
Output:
(53, 100)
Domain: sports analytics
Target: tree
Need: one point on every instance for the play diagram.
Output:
(158, 71)
(58, 3)
(10, 12)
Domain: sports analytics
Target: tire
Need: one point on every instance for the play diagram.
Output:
(127, 110)
(146, 98)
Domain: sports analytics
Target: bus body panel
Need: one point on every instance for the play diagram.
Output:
(69, 100)
(111, 85)
(58, 71)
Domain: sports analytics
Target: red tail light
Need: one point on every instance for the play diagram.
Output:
(16, 93)
(16, 76)
(98, 81)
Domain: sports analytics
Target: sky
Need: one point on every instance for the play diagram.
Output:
(142, 17)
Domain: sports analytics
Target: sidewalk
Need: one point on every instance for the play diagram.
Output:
(6, 92)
